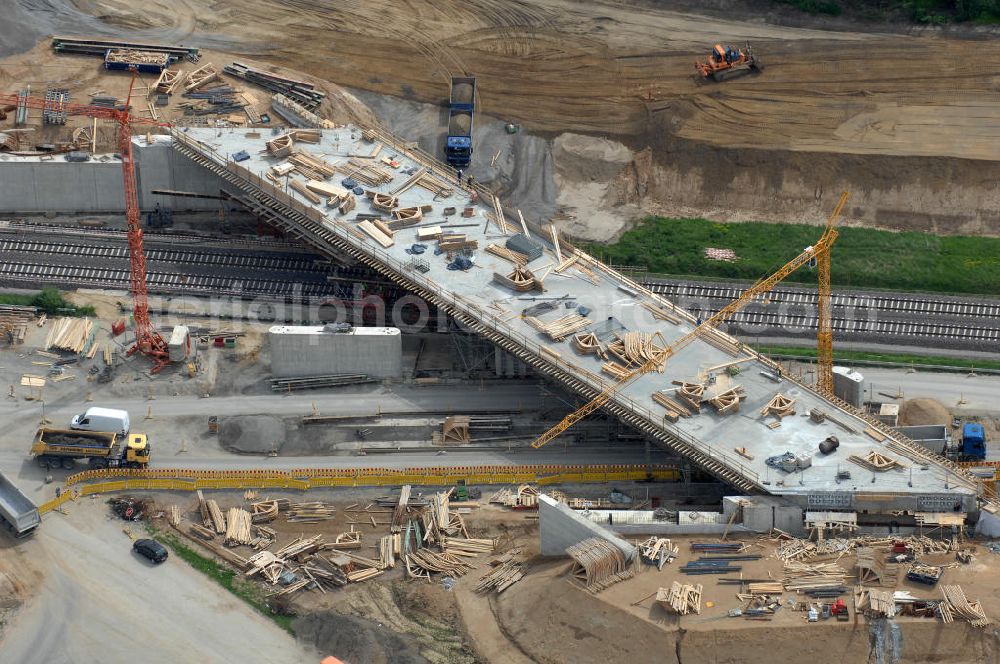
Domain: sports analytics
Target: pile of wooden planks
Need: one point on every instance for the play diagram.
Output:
(312, 512)
(211, 515)
(683, 599)
(401, 511)
(780, 406)
(381, 235)
(468, 547)
(660, 313)
(451, 242)
(366, 174)
(310, 165)
(616, 371)
(514, 257)
(765, 588)
(874, 570)
(507, 570)
(70, 334)
(959, 605)
(636, 348)
(238, 530)
(876, 461)
(801, 576)
(675, 409)
(560, 328)
(598, 564)
(424, 562)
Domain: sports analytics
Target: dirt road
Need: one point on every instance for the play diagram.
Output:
(100, 602)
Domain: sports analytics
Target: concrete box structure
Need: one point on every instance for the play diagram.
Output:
(316, 350)
(849, 385)
(179, 344)
(934, 437)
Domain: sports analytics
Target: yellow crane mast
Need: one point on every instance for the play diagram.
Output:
(824, 331)
(808, 255)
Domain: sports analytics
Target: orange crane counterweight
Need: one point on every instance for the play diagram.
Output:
(147, 340)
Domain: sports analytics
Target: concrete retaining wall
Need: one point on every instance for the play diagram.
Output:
(560, 527)
(30, 185)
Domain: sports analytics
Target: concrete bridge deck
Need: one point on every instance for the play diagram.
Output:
(615, 303)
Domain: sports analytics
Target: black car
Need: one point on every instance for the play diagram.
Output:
(151, 549)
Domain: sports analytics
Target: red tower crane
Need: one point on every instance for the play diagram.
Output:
(147, 340)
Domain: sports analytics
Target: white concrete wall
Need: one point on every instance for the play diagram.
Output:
(29, 185)
(323, 353)
(560, 527)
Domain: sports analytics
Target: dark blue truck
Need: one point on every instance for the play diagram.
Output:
(461, 108)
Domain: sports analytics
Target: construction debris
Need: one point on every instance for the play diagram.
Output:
(634, 349)
(507, 570)
(658, 551)
(957, 604)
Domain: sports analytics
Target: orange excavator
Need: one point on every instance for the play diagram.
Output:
(725, 62)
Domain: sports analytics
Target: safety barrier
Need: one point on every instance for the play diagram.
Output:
(301, 479)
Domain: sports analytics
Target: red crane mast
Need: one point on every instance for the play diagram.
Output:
(147, 340)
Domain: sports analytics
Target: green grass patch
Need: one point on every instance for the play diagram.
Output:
(889, 358)
(928, 12)
(224, 576)
(861, 258)
(50, 300)
(828, 7)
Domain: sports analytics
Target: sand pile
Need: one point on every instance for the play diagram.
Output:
(916, 412)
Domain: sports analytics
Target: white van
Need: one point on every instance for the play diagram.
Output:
(102, 419)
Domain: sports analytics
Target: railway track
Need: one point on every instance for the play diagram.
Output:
(177, 264)
(922, 305)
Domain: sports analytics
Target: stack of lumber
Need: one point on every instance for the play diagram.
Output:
(381, 235)
(71, 334)
(589, 344)
(876, 461)
(683, 599)
(560, 328)
(174, 516)
(803, 577)
(310, 165)
(514, 257)
(636, 348)
(238, 529)
(300, 547)
(456, 242)
(874, 603)
(507, 570)
(765, 588)
(211, 515)
(424, 562)
(599, 564)
(959, 605)
(387, 559)
(658, 551)
(467, 547)
(675, 409)
(313, 512)
(439, 508)
(400, 512)
(202, 532)
(780, 406)
(367, 174)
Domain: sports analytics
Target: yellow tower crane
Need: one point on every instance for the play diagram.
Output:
(824, 320)
(808, 255)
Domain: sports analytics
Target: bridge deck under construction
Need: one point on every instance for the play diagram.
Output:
(613, 305)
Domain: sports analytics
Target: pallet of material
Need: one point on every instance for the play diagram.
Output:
(374, 233)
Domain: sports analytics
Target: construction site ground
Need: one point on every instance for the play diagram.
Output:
(891, 116)
(545, 617)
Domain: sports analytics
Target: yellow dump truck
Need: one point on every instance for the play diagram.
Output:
(58, 448)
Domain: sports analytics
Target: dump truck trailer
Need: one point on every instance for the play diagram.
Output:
(18, 513)
(461, 108)
(58, 448)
